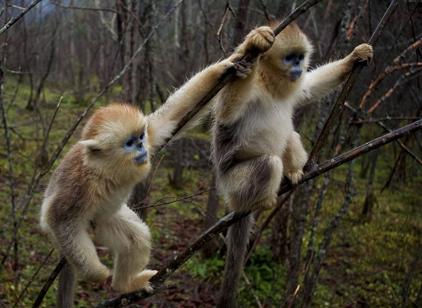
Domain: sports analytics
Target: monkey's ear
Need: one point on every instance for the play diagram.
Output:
(91, 144)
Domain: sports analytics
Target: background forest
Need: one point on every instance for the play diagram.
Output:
(351, 237)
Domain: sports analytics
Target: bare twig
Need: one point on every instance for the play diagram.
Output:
(414, 45)
(23, 292)
(388, 71)
(386, 128)
(50, 125)
(226, 15)
(15, 19)
(172, 200)
(385, 118)
(414, 72)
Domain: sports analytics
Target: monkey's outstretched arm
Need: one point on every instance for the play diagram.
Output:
(326, 78)
(162, 122)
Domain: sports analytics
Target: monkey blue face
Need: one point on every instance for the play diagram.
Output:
(136, 145)
(295, 62)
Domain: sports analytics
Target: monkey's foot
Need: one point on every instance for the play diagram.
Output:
(266, 203)
(261, 38)
(98, 274)
(363, 53)
(295, 176)
(141, 280)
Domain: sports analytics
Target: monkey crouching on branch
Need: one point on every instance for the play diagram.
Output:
(254, 141)
(87, 194)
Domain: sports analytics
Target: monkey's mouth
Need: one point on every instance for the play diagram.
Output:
(295, 75)
(142, 158)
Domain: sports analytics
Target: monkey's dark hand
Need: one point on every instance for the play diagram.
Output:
(243, 68)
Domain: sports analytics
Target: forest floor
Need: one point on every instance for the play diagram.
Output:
(366, 265)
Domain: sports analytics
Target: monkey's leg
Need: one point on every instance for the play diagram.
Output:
(254, 183)
(130, 240)
(77, 246)
(294, 158)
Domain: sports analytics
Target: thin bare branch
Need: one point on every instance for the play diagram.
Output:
(388, 71)
(16, 19)
(386, 128)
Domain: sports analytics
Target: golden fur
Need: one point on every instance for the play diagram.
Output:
(254, 141)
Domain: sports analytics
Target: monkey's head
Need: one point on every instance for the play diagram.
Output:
(290, 53)
(115, 142)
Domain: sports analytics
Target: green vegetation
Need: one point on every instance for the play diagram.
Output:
(366, 264)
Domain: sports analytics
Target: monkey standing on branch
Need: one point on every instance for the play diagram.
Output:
(87, 193)
(254, 141)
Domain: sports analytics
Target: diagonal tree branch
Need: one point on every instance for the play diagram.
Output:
(16, 19)
(364, 116)
(158, 280)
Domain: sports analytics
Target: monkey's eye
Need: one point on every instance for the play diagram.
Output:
(289, 57)
(141, 136)
(129, 143)
(301, 57)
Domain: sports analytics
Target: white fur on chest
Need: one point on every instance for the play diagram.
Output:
(113, 202)
(267, 126)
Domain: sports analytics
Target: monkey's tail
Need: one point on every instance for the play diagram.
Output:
(66, 287)
(237, 242)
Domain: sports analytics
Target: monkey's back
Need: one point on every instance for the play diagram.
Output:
(67, 192)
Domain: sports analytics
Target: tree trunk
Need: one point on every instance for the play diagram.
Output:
(370, 198)
(240, 22)
(176, 179)
(279, 235)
